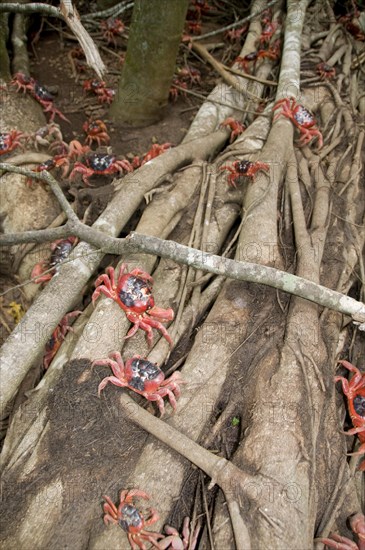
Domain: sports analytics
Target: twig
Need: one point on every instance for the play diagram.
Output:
(110, 12)
(250, 76)
(47, 177)
(206, 510)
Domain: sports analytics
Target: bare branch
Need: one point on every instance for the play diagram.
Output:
(114, 11)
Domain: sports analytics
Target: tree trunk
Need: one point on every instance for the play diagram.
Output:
(150, 62)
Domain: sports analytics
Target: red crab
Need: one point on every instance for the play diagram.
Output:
(357, 523)
(100, 164)
(58, 335)
(268, 32)
(131, 520)
(301, 118)
(175, 541)
(143, 377)
(245, 61)
(46, 99)
(325, 71)
(49, 136)
(39, 92)
(244, 168)
(274, 50)
(233, 35)
(155, 151)
(23, 82)
(351, 24)
(174, 91)
(76, 57)
(111, 28)
(272, 53)
(75, 150)
(355, 393)
(106, 95)
(93, 85)
(236, 127)
(60, 251)
(10, 141)
(189, 74)
(96, 131)
(133, 293)
(98, 87)
(354, 28)
(56, 162)
(197, 9)
(266, 16)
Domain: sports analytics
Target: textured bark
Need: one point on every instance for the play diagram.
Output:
(153, 44)
(5, 73)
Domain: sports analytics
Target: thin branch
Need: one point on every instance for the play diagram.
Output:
(245, 271)
(114, 11)
(38, 236)
(48, 178)
(250, 76)
(210, 100)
